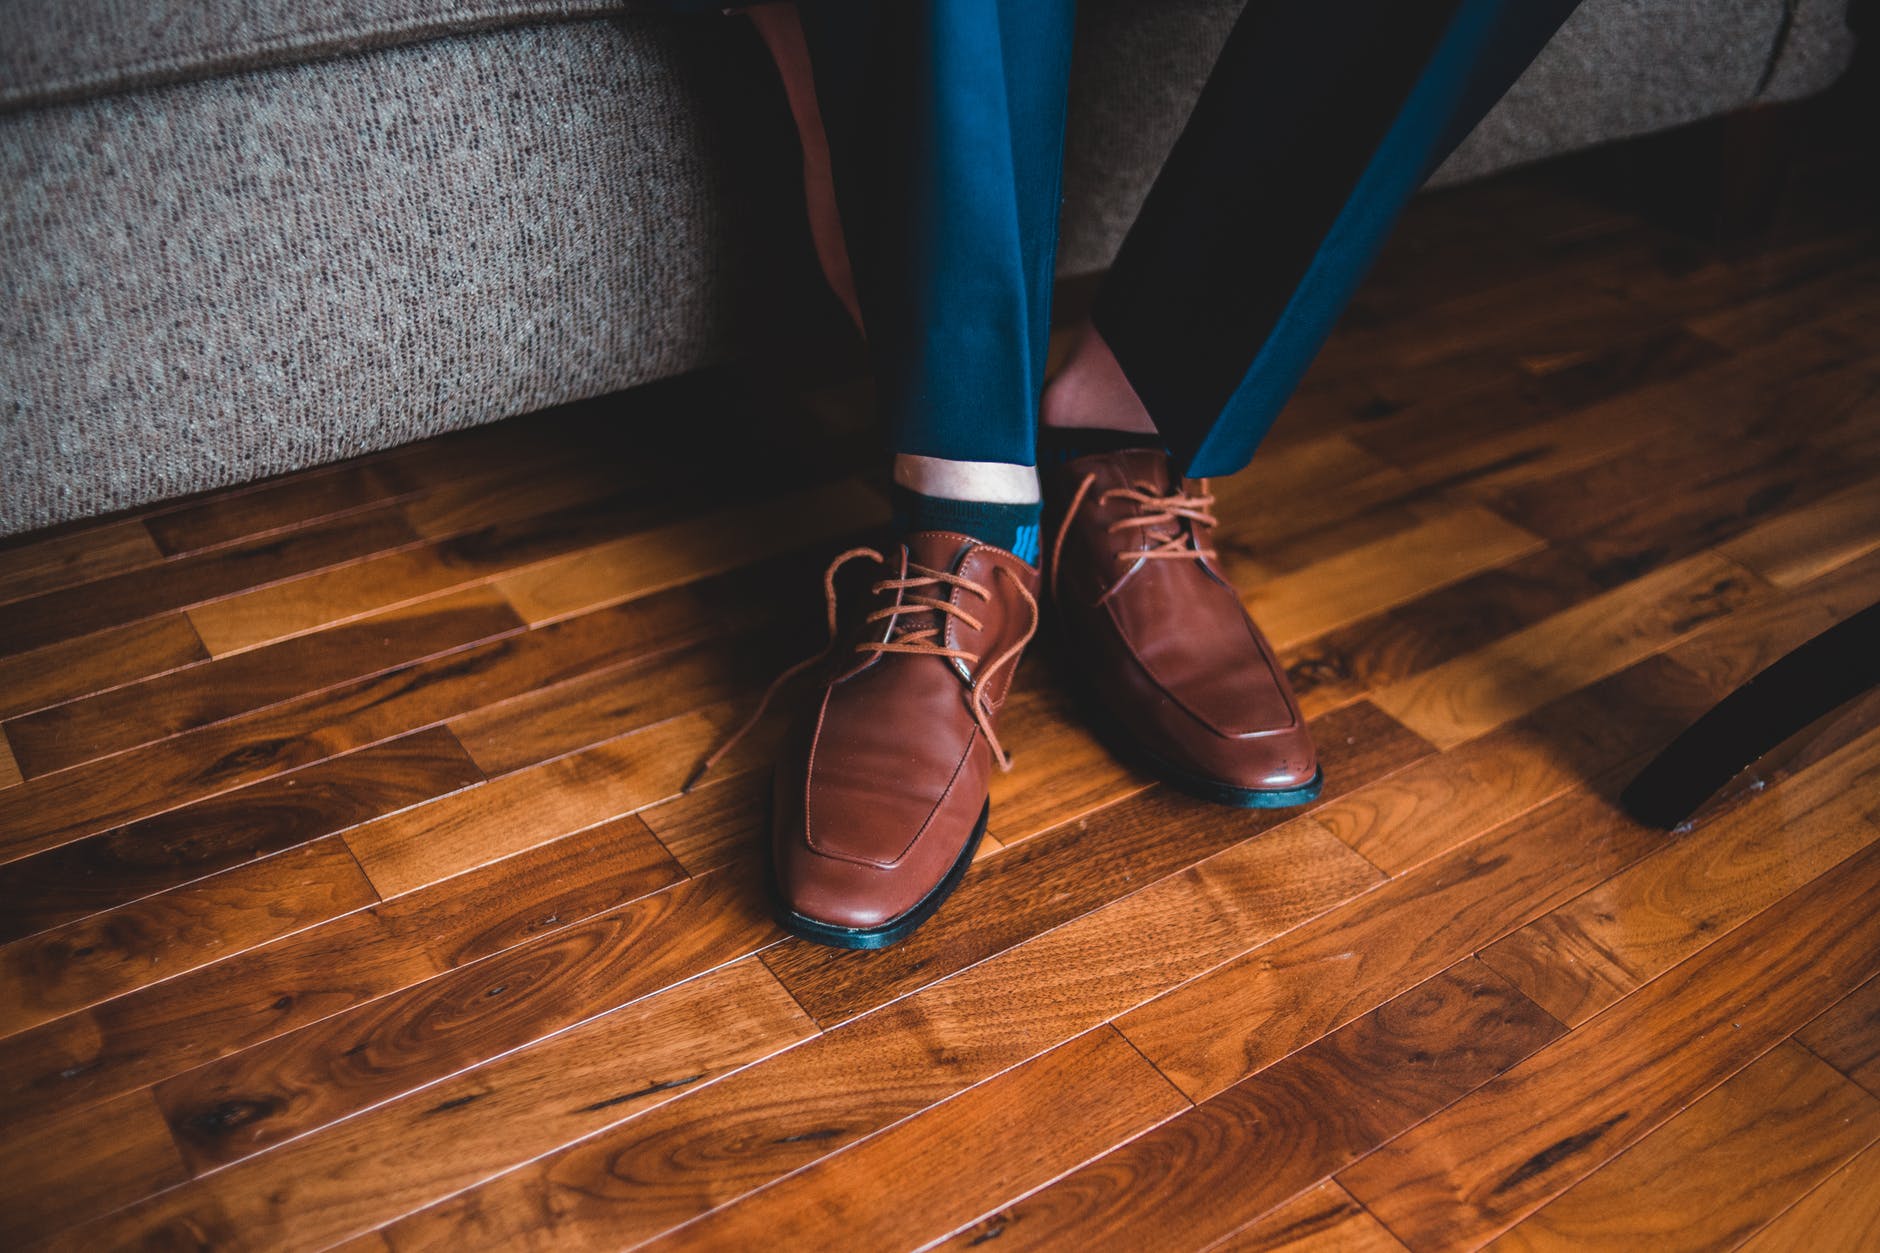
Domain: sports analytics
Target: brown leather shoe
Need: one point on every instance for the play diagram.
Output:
(1177, 675)
(882, 801)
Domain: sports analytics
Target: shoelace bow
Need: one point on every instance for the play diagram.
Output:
(1153, 509)
(920, 635)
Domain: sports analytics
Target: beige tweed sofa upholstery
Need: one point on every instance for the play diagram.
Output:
(239, 237)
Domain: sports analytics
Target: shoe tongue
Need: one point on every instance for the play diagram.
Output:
(936, 550)
(931, 550)
(1145, 468)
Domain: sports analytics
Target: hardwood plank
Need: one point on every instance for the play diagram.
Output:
(1218, 1166)
(637, 565)
(715, 824)
(179, 583)
(1267, 1002)
(1702, 405)
(1806, 543)
(397, 1157)
(1436, 804)
(60, 672)
(567, 717)
(9, 765)
(517, 811)
(1344, 664)
(293, 500)
(1847, 1037)
(1582, 956)
(163, 1029)
(1746, 323)
(324, 599)
(753, 1128)
(66, 1167)
(1719, 1170)
(1707, 512)
(84, 556)
(465, 507)
(1492, 1158)
(274, 1091)
(1324, 1220)
(1449, 546)
(151, 855)
(57, 808)
(1051, 879)
(1060, 770)
(1472, 694)
(1024, 1126)
(161, 936)
(1841, 1216)
(1733, 650)
(203, 695)
(1449, 423)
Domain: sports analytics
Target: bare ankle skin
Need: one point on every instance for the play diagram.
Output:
(1091, 391)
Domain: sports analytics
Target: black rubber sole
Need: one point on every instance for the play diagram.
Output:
(895, 929)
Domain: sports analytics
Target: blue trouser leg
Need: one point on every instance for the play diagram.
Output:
(1317, 124)
(946, 131)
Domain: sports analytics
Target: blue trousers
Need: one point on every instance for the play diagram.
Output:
(946, 129)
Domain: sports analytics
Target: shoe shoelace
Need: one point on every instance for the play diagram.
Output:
(1153, 510)
(920, 635)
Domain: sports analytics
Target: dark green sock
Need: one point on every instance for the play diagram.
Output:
(1011, 527)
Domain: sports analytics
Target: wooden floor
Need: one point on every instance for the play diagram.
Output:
(349, 897)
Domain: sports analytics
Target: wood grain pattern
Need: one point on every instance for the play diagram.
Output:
(1091, 1092)
(1582, 956)
(315, 1192)
(517, 811)
(1438, 803)
(1720, 1169)
(116, 951)
(1556, 1117)
(153, 854)
(1841, 1216)
(95, 663)
(144, 593)
(1806, 543)
(1254, 1010)
(640, 564)
(1847, 1037)
(284, 1087)
(163, 1029)
(36, 566)
(9, 765)
(203, 695)
(1344, 664)
(97, 796)
(866, 1074)
(1227, 1161)
(1450, 546)
(1324, 1220)
(264, 508)
(1463, 698)
(92, 1161)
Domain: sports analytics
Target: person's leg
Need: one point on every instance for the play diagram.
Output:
(1314, 129)
(944, 121)
(781, 29)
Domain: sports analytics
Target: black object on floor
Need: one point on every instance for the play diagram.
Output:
(1823, 674)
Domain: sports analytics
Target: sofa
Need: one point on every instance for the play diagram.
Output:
(241, 237)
